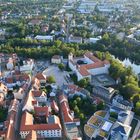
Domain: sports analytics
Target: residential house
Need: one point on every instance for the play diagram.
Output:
(10, 64)
(16, 79)
(3, 92)
(92, 40)
(73, 39)
(8, 130)
(35, 95)
(56, 59)
(42, 79)
(67, 113)
(46, 130)
(89, 65)
(28, 105)
(54, 106)
(27, 66)
(40, 96)
(41, 37)
(70, 122)
(71, 90)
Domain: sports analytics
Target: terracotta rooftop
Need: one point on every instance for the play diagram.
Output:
(54, 106)
(83, 69)
(65, 108)
(41, 111)
(9, 80)
(36, 93)
(92, 57)
(27, 124)
(40, 76)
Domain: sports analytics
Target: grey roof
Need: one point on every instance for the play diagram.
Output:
(117, 109)
(123, 114)
(120, 128)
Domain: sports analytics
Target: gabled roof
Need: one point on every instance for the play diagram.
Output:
(36, 93)
(27, 124)
(83, 71)
(41, 111)
(54, 106)
(92, 57)
(65, 109)
(97, 63)
(40, 76)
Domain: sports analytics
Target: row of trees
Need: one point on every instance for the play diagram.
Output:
(128, 86)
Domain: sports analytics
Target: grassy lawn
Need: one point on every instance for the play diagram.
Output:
(101, 113)
(133, 125)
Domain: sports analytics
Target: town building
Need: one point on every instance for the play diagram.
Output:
(7, 131)
(67, 113)
(42, 79)
(74, 39)
(88, 65)
(103, 92)
(56, 59)
(120, 102)
(70, 122)
(72, 90)
(41, 37)
(101, 125)
(51, 129)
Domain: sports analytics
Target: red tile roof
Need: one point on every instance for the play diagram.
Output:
(41, 111)
(9, 80)
(36, 93)
(92, 57)
(65, 108)
(54, 106)
(27, 124)
(66, 112)
(83, 69)
(40, 76)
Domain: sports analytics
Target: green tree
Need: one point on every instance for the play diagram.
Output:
(51, 79)
(101, 106)
(61, 66)
(129, 90)
(83, 82)
(137, 108)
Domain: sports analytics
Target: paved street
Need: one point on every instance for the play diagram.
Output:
(60, 76)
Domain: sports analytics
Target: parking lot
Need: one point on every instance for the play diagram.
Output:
(60, 76)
